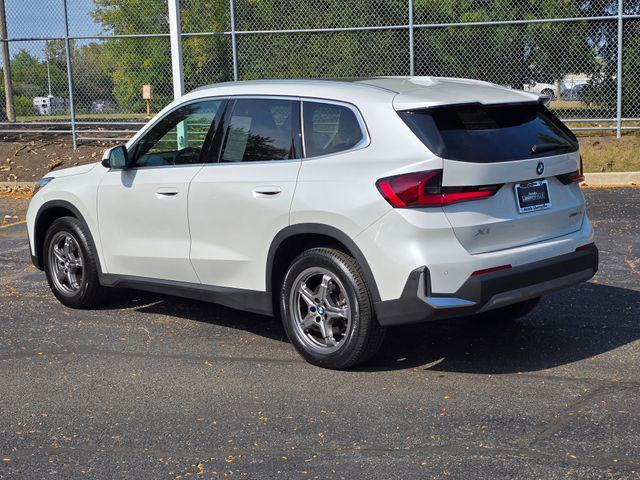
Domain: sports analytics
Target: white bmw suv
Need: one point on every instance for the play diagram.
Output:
(344, 207)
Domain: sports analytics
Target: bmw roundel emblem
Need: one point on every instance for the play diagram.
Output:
(540, 168)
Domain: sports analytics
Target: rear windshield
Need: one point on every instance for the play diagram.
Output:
(485, 134)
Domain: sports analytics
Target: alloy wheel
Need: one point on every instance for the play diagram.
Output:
(320, 310)
(66, 263)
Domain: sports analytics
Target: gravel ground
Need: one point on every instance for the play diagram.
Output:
(156, 387)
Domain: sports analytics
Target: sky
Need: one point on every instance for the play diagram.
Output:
(44, 18)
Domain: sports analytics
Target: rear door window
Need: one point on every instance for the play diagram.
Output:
(485, 134)
(330, 128)
(262, 129)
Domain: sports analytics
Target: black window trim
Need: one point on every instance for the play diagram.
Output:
(366, 138)
(228, 102)
(206, 146)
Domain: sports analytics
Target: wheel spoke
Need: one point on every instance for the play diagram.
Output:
(323, 289)
(324, 328)
(307, 322)
(306, 294)
(58, 253)
(73, 279)
(327, 333)
(75, 262)
(337, 312)
(67, 247)
(60, 273)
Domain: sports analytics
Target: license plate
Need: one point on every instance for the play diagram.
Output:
(532, 196)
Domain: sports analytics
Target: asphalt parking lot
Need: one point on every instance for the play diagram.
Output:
(152, 386)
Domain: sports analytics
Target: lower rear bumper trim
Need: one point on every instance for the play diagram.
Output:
(486, 292)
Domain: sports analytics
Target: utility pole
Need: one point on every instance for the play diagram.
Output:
(49, 76)
(6, 65)
(176, 48)
(175, 38)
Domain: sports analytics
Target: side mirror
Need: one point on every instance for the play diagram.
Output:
(116, 158)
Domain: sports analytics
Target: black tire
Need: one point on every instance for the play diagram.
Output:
(363, 335)
(88, 293)
(509, 313)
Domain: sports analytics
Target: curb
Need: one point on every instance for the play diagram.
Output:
(20, 185)
(612, 178)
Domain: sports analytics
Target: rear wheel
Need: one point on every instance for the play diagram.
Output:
(510, 312)
(70, 264)
(327, 310)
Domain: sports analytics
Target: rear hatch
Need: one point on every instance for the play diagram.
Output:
(521, 149)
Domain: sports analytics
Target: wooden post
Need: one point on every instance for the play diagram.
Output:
(147, 91)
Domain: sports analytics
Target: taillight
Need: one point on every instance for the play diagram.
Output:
(568, 178)
(577, 176)
(424, 189)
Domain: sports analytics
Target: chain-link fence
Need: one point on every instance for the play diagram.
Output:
(79, 66)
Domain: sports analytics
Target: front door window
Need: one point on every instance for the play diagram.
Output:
(178, 138)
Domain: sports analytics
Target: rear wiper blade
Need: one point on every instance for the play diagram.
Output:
(549, 147)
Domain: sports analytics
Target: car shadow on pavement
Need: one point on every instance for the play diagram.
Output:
(568, 326)
(195, 310)
(572, 325)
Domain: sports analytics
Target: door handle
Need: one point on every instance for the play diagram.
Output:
(164, 192)
(267, 191)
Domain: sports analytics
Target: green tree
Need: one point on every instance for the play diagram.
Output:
(133, 62)
(29, 76)
(506, 54)
(91, 75)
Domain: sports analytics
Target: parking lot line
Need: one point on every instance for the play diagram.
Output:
(12, 224)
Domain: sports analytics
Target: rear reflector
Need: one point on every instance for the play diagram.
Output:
(588, 246)
(424, 189)
(491, 270)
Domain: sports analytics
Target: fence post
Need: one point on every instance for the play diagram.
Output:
(412, 69)
(175, 36)
(619, 73)
(234, 52)
(67, 49)
(6, 65)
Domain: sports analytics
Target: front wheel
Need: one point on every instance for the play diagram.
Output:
(70, 264)
(327, 310)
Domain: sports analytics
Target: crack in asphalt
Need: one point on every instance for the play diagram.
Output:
(568, 414)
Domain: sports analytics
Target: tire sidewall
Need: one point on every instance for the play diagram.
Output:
(342, 356)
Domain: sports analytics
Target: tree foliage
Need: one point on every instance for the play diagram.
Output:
(508, 54)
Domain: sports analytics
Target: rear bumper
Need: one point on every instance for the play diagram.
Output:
(486, 292)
